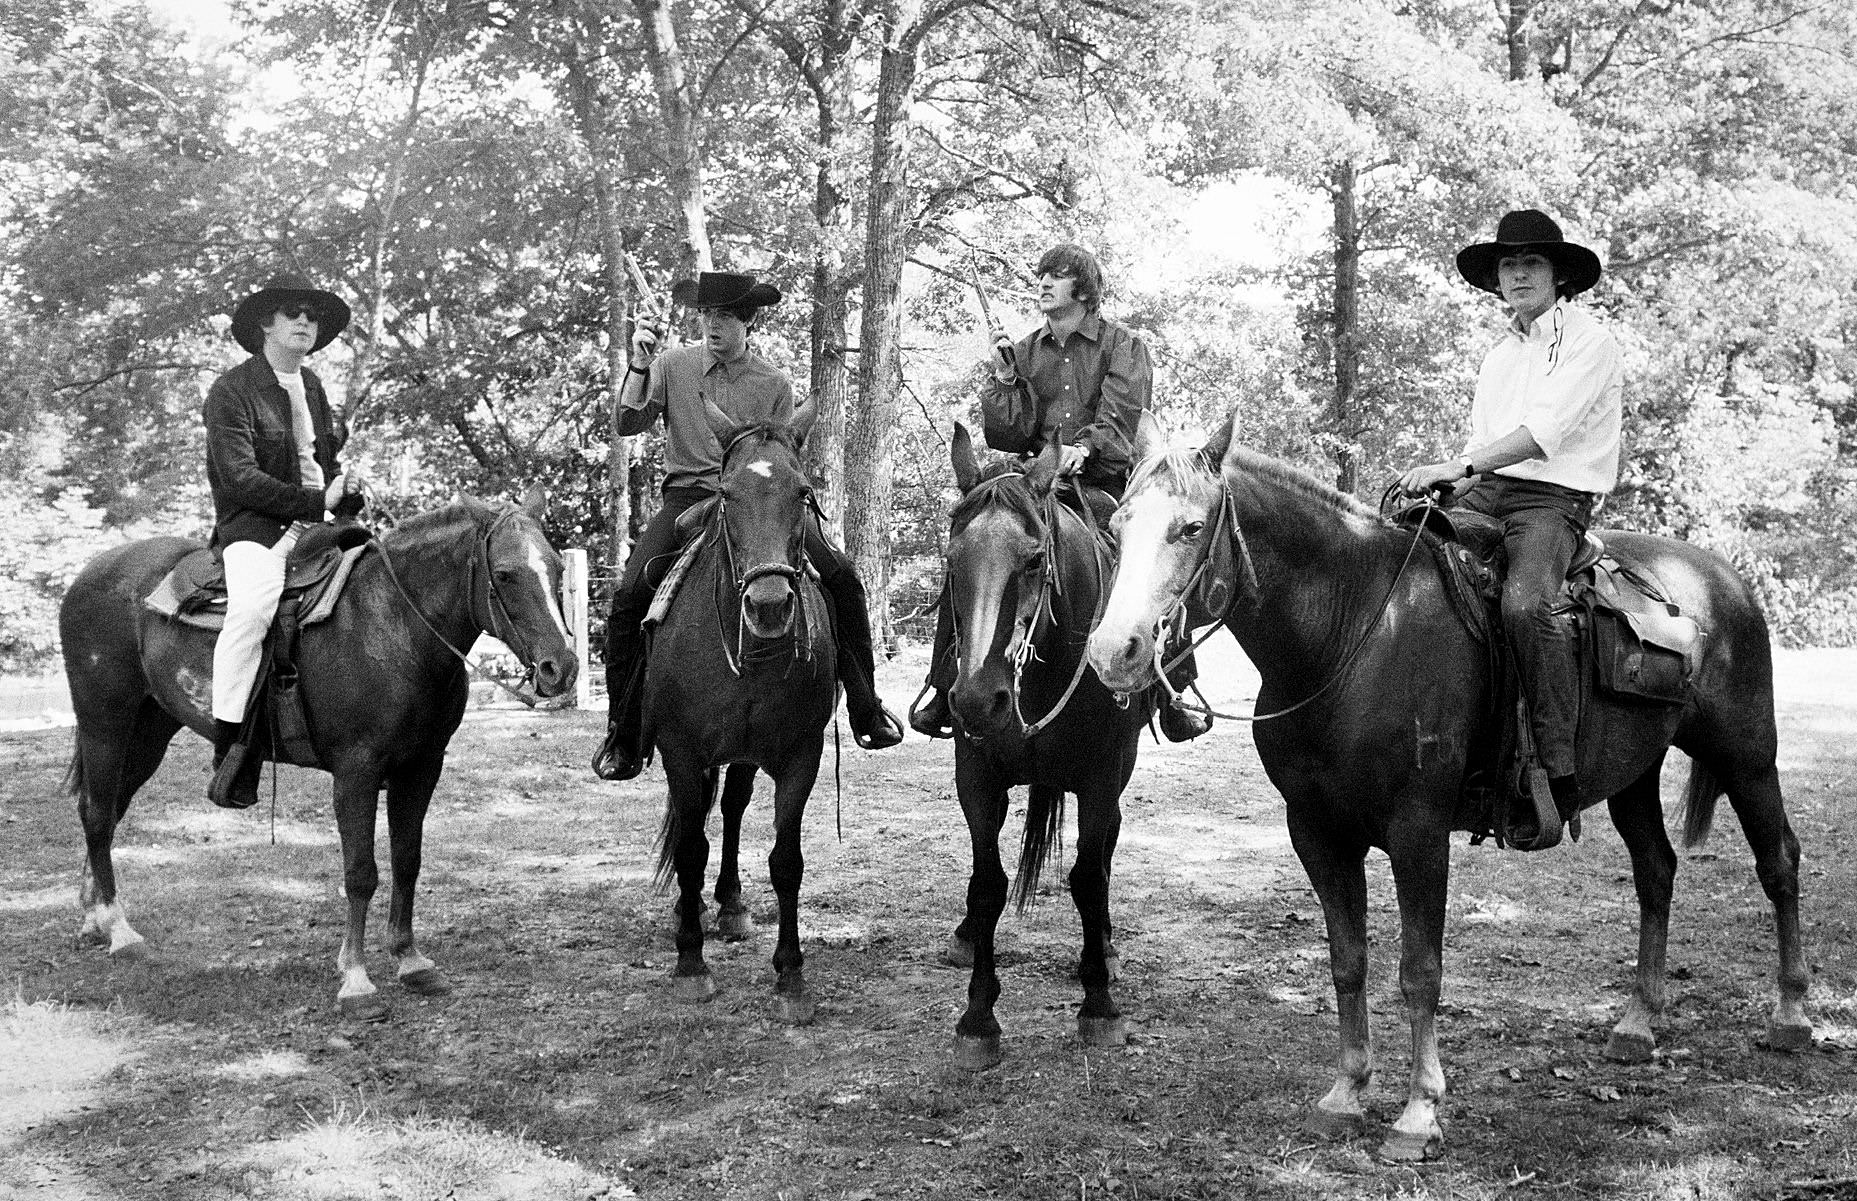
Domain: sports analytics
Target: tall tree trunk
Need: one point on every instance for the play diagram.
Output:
(665, 55)
(1342, 416)
(831, 296)
(1515, 34)
(869, 450)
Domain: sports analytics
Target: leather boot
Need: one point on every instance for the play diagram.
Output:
(236, 766)
(619, 756)
(1178, 722)
(931, 715)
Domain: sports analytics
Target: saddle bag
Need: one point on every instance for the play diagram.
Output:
(1628, 665)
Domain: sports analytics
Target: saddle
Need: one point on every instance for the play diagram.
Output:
(1636, 646)
(193, 593)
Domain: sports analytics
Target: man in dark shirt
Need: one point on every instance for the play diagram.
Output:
(684, 386)
(271, 442)
(1080, 382)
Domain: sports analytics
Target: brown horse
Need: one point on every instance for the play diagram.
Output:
(1381, 697)
(380, 681)
(742, 673)
(1025, 574)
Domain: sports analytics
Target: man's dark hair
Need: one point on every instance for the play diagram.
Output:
(1074, 262)
(744, 313)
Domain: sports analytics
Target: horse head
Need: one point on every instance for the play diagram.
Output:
(1165, 529)
(1002, 580)
(518, 603)
(765, 498)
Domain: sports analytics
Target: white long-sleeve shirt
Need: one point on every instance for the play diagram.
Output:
(1563, 379)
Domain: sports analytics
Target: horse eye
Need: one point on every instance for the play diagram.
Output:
(1192, 529)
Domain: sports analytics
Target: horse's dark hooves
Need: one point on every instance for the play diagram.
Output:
(694, 988)
(734, 924)
(973, 1053)
(1628, 1047)
(1401, 1147)
(370, 1007)
(608, 764)
(958, 953)
(1787, 1037)
(1329, 1125)
(427, 982)
(794, 1009)
(1102, 1032)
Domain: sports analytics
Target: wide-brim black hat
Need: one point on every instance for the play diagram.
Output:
(1524, 230)
(332, 311)
(723, 290)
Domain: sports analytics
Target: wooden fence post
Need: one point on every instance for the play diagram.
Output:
(574, 608)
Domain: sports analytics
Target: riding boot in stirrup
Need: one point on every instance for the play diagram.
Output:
(235, 768)
(619, 756)
(932, 717)
(1181, 722)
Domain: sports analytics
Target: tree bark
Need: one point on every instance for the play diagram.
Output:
(665, 56)
(1346, 326)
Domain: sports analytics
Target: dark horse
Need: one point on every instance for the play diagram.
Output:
(742, 672)
(382, 689)
(1025, 573)
(1374, 752)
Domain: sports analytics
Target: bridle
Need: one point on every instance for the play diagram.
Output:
(1040, 614)
(737, 654)
(491, 615)
(1204, 579)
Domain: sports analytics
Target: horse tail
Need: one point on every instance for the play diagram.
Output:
(1699, 803)
(667, 848)
(75, 784)
(1044, 829)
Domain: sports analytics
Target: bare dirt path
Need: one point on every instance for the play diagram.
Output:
(560, 1066)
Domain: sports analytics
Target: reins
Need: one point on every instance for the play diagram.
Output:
(1178, 612)
(489, 623)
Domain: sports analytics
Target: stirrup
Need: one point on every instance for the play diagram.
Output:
(1547, 821)
(932, 718)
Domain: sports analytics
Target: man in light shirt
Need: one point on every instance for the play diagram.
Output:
(1543, 450)
(271, 442)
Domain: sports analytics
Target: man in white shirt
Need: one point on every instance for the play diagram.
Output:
(1543, 450)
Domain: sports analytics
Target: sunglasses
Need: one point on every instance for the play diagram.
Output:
(291, 312)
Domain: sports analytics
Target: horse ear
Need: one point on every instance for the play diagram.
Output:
(1215, 450)
(1149, 440)
(1042, 473)
(535, 501)
(961, 451)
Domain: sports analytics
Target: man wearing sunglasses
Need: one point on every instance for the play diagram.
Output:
(684, 385)
(271, 443)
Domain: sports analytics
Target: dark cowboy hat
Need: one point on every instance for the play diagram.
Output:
(723, 290)
(254, 310)
(1529, 229)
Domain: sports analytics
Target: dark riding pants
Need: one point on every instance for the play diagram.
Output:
(1542, 525)
(652, 557)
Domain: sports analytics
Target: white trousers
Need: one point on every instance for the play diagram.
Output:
(254, 582)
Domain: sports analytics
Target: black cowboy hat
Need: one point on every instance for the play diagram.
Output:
(723, 290)
(1529, 229)
(331, 320)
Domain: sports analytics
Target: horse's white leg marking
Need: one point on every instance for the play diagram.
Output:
(1354, 1074)
(538, 563)
(351, 962)
(1419, 1119)
(111, 922)
(413, 962)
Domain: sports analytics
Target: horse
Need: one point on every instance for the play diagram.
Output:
(742, 673)
(381, 679)
(1380, 695)
(1025, 575)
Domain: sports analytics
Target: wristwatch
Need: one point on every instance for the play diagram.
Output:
(1469, 468)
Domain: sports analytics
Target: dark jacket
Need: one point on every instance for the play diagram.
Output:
(251, 454)
(1092, 390)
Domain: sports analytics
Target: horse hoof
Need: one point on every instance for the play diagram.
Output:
(1788, 1037)
(369, 1007)
(1334, 1127)
(1401, 1147)
(694, 988)
(427, 982)
(958, 953)
(973, 1053)
(1627, 1047)
(794, 1009)
(1102, 1032)
(734, 924)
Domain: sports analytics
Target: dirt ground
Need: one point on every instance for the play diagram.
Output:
(561, 1067)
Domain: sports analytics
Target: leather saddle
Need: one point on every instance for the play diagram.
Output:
(194, 592)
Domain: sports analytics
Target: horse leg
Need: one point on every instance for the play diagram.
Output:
(732, 920)
(692, 792)
(786, 866)
(107, 769)
(1638, 815)
(1755, 795)
(1338, 874)
(1099, 823)
(984, 803)
(409, 793)
(357, 798)
(1421, 860)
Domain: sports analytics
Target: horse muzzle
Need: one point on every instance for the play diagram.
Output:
(985, 706)
(1124, 663)
(555, 676)
(769, 605)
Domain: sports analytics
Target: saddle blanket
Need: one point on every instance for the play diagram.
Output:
(194, 592)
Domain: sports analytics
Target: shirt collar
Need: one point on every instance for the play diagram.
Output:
(1091, 328)
(1545, 326)
(711, 362)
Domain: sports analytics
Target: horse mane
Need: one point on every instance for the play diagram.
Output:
(767, 431)
(437, 527)
(1002, 483)
(1187, 467)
